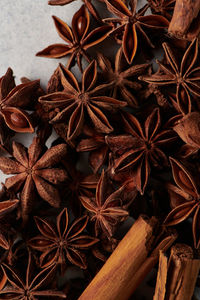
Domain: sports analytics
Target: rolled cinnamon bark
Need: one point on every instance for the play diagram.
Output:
(131, 261)
(177, 276)
(185, 22)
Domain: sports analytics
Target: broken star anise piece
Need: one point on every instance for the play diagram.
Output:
(163, 7)
(65, 243)
(131, 23)
(13, 100)
(94, 142)
(105, 209)
(33, 287)
(74, 103)
(185, 75)
(141, 148)
(77, 38)
(185, 200)
(35, 171)
(122, 80)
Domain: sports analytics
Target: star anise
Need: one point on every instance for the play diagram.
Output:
(65, 243)
(77, 38)
(75, 102)
(163, 7)
(140, 148)
(32, 287)
(105, 209)
(184, 74)
(35, 171)
(13, 100)
(185, 200)
(132, 23)
(78, 184)
(120, 79)
(94, 142)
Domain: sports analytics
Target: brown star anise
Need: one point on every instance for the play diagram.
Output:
(32, 287)
(132, 23)
(34, 170)
(105, 209)
(94, 142)
(13, 100)
(72, 104)
(163, 7)
(77, 38)
(185, 200)
(63, 243)
(120, 79)
(140, 148)
(185, 75)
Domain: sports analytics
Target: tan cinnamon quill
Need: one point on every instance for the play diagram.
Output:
(131, 261)
(177, 276)
(185, 22)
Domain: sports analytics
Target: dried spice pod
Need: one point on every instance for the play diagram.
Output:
(184, 200)
(131, 23)
(66, 243)
(185, 22)
(128, 265)
(177, 275)
(74, 104)
(183, 74)
(34, 285)
(34, 170)
(77, 38)
(140, 148)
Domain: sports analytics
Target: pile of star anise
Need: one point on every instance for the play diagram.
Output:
(128, 144)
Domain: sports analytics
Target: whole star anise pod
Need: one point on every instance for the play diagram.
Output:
(65, 243)
(105, 209)
(120, 78)
(141, 148)
(33, 287)
(185, 200)
(74, 103)
(131, 23)
(13, 100)
(184, 75)
(77, 38)
(35, 170)
(163, 7)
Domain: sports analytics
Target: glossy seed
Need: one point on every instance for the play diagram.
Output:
(18, 120)
(81, 25)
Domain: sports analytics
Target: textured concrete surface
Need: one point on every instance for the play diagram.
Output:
(26, 28)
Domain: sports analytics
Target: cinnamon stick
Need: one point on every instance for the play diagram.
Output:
(185, 22)
(129, 263)
(177, 276)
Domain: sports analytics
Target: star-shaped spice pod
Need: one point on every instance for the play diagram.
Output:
(35, 170)
(13, 100)
(77, 38)
(63, 243)
(185, 200)
(184, 74)
(131, 23)
(122, 80)
(105, 209)
(74, 103)
(33, 287)
(141, 147)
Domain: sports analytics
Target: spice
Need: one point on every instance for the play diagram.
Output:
(178, 274)
(129, 264)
